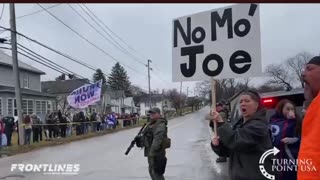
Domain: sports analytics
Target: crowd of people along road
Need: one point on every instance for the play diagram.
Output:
(253, 134)
(57, 125)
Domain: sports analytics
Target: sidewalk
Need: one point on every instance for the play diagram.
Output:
(15, 149)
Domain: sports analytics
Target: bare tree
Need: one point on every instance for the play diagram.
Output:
(279, 75)
(297, 64)
(177, 100)
(243, 84)
(265, 88)
(204, 88)
(62, 104)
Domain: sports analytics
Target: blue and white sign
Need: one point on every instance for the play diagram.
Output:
(85, 95)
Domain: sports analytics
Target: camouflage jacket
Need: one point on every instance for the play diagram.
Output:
(154, 135)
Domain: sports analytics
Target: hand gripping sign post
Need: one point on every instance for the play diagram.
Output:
(217, 44)
(85, 95)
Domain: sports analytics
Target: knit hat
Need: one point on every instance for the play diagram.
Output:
(315, 60)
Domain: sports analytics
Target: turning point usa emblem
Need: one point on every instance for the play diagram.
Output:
(284, 165)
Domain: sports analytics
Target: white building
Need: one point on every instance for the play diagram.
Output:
(116, 101)
(157, 100)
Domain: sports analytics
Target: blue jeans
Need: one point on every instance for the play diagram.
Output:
(0, 140)
(27, 136)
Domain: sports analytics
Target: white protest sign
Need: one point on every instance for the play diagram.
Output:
(221, 43)
(85, 95)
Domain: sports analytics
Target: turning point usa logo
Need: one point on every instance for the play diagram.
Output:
(57, 169)
(284, 165)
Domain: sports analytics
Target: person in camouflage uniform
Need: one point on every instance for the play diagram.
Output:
(155, 134)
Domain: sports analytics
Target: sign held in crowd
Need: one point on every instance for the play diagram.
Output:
(85, 95)
(221, 43)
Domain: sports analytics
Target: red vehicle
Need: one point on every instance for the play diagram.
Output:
(270, 101)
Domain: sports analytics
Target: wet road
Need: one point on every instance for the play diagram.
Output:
(189, 158)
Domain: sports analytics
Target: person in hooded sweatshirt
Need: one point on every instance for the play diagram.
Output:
(286, 129)
(246, 141)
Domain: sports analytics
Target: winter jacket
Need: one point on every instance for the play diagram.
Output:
(9, 124)
(2, 126)
(244, 144)
(282, 127)
(154, 134)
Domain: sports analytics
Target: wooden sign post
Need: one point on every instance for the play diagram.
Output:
(213, 100)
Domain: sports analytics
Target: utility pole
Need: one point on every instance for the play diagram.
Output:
(149, 82)
(15, 66)
(187, 91)
(181, 98)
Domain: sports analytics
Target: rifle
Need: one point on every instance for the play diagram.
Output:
(134, 140)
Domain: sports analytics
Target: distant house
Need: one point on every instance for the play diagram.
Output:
(33, 100)
(116, 101)
(61, 89)
(157, 100)
(129, 105)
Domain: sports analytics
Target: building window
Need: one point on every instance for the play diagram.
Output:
(25, 83)
(153, 104)
(12, 107)
(27, 106)
(41, 107)
(38, 107)
(54, 105)
(49, 107)
(30, 107)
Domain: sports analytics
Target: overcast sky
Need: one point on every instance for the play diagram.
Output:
(286, 29)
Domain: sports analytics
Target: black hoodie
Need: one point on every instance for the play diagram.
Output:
(244, 143)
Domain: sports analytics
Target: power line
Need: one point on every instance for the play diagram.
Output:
(119, 45)
(60, 53)
(55, 64)
(89, 23)
(115, 45)
(46, 61)
(160, 78)
(130, 47)
(35, 60)
(2, 11)
(37, 11)
(113, 58)
(123, 41)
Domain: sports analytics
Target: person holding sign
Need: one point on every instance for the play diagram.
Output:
(246, 141)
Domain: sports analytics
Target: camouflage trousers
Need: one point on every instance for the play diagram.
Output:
(154, 175)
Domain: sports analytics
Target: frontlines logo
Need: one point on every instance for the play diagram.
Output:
(52, 169)
(284, 165)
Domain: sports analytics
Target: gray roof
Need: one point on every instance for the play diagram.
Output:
(116, 94)
(154, 98)
(62, 86)
(273, 94)
(6, 60)
(8, 89)
(282, 93)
